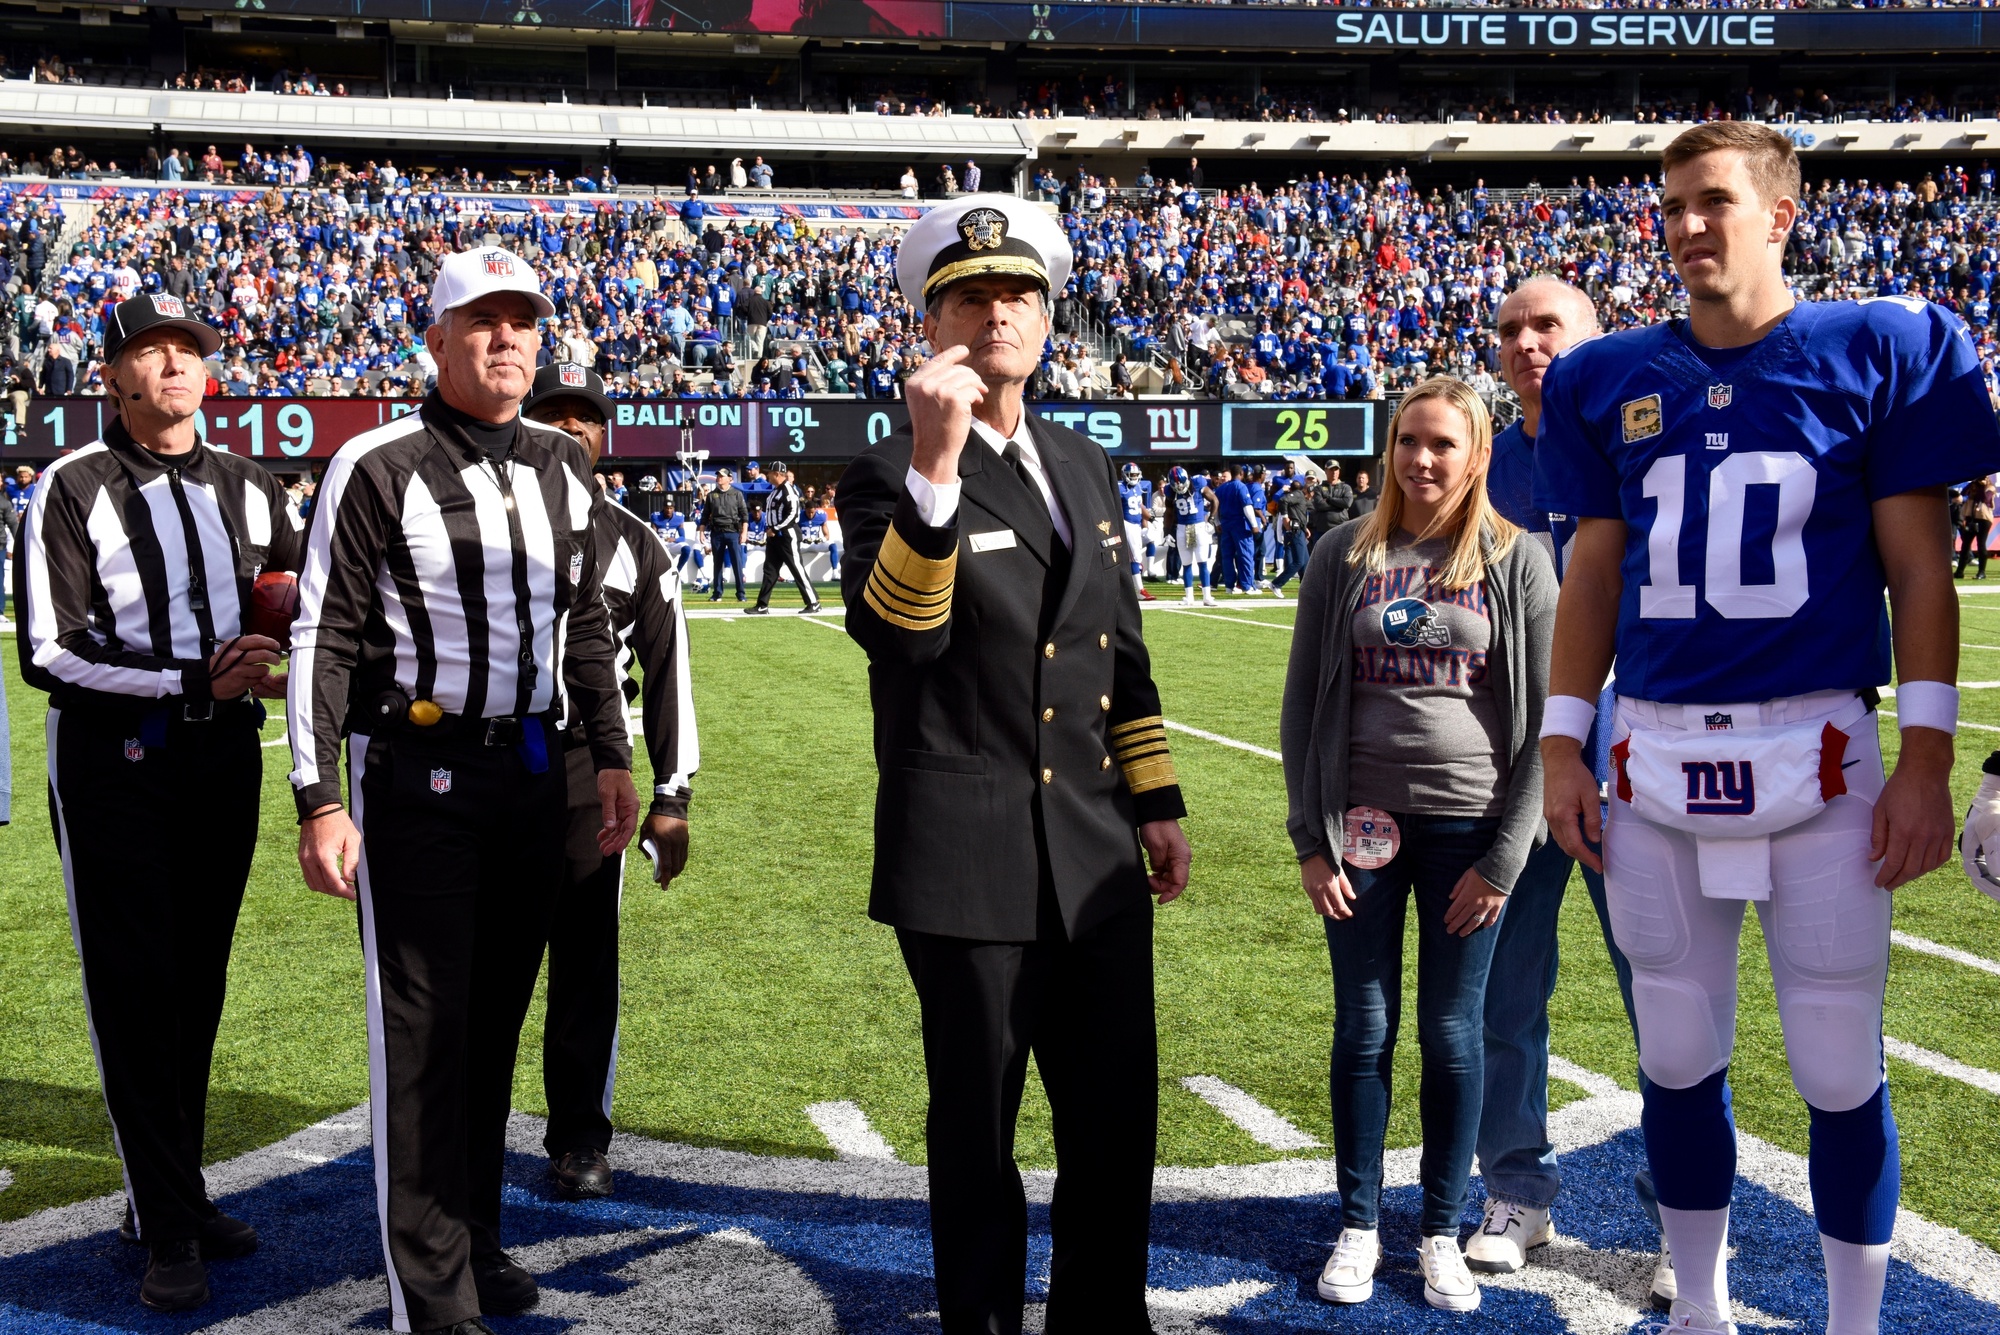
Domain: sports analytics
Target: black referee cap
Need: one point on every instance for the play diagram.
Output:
(572, 380)
(135, 315)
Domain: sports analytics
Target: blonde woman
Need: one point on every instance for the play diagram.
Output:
(1412, 707)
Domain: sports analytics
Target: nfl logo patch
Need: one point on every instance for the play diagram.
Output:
(170, 307)
(570, 375)
(440, 780)
(576, 568)
(1720, 395)
(499, 263)
(135, 750)
(1718, 722)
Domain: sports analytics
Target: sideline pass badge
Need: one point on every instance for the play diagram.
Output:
(1371, 838)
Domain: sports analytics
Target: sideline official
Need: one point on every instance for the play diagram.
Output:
(1022, 764)
(451, 616)
(134, 568)
(642, 594)
(781, 541)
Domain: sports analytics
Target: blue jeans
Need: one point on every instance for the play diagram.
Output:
(1296, 556)
(1367, 955)
(1515, 1156)
(728, 550)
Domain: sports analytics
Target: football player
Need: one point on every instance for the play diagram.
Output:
(1133, 494)
(1193, 500)
(1747, 483)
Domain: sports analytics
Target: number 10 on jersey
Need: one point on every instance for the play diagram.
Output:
(1663, 596)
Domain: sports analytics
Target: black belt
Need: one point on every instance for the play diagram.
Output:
(459, 729)
(172, 709)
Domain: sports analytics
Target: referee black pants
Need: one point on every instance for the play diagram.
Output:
(1084, 1007)
(781, 558)
(580, 1039)
(155, 828)
(461, 855)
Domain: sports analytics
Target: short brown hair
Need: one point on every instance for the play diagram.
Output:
(1772, 162)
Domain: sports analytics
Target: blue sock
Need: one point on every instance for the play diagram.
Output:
(1856, 1171)
(1691, 1143)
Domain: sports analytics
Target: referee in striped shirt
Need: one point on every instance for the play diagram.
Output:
(133, 572)
(451, 615)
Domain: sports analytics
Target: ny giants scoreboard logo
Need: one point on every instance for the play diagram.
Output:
(1720, 787)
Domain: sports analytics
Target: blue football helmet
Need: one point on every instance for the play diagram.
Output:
(1179, 477)
(1130, 472)
(1410, 623)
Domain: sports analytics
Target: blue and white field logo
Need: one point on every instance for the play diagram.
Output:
(726, 1243)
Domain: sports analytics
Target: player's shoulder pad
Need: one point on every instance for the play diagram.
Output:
(1857, 342)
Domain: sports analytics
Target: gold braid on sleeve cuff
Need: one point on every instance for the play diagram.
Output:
(1141, 747)
(909, 590)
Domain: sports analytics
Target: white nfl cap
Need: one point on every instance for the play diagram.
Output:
(472, 274)
(976, 235)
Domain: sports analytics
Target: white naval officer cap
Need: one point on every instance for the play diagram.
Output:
(472, 274)
(975, 235)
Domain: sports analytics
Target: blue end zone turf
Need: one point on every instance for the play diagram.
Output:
(711, 1241)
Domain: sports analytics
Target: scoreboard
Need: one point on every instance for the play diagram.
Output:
(280, 431)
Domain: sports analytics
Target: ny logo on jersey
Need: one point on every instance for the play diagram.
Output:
(1720, 788)
(1719, 396)
(1716, 440)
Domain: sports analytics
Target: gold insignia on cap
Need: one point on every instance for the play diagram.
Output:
(1642, 418)
(983, 229)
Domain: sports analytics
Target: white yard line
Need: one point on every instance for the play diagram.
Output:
(1216, 616)
(847, 1129)
(1267, 1127)
(1939, 1064)
(1220, 740)
(1889, 692)
(815, 621)
(1944, 952)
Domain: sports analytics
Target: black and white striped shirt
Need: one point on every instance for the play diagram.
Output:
(781, 509)
(436, 572)
(642, 592)
(134, 566)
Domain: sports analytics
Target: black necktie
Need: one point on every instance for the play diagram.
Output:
(1019, 463)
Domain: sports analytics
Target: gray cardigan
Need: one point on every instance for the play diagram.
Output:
(1314, 727)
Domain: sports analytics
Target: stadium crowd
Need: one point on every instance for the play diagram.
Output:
(1336, 287)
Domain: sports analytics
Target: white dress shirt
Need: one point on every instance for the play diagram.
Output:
(937, 502)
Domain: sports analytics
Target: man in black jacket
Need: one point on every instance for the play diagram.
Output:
(726, 516)
(781, 541)
(1023, 765)
(1332, 503)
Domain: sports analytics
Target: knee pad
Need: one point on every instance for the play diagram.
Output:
(1681, 1041)
(1833, 1039)
(1856, 1171)
(1643, 884)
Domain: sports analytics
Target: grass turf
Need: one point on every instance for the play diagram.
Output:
(756, 985)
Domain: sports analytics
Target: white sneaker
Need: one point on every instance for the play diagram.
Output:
(1666, 1286)
(1277, 592)
(1501, 1245)
(1349, 1276)
(1691, 1317)
(1447, 1283)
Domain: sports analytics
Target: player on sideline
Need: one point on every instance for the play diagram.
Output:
(1747, 482)
(1133, 493)
(1191, 499)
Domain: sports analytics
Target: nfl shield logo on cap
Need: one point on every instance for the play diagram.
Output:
(499, 263)
(570, 374)
(1719, 396)
(170, 306)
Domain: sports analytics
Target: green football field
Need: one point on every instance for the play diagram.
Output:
(756, 985)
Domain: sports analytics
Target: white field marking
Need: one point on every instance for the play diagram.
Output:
(1266, 1126)
(1590, 1082)
(1964, 645)
(282, 739)
(846, 1128)
(1963, 723)
(1216, 616)
(1220, 740)
(1944, 952)
(1888, 692)
(6, 1178)
(1939, 1064)
(815, 621)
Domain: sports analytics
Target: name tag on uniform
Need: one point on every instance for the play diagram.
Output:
(991, 542)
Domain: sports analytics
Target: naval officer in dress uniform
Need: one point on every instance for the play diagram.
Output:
(1025, 783)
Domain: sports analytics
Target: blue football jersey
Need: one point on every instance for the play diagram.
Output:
(1745, 478)
(1230, 498)
(1133, 497)
(1191, 506)
(1510, 484)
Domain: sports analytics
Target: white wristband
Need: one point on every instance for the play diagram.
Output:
(1568, 716)
(1927, 704)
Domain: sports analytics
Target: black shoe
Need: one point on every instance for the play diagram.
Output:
(222, 1238)
(580, 1175)
(759, 611)
(813, 610)
(470, 1326)
(504, 1286)
(176, 1280)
